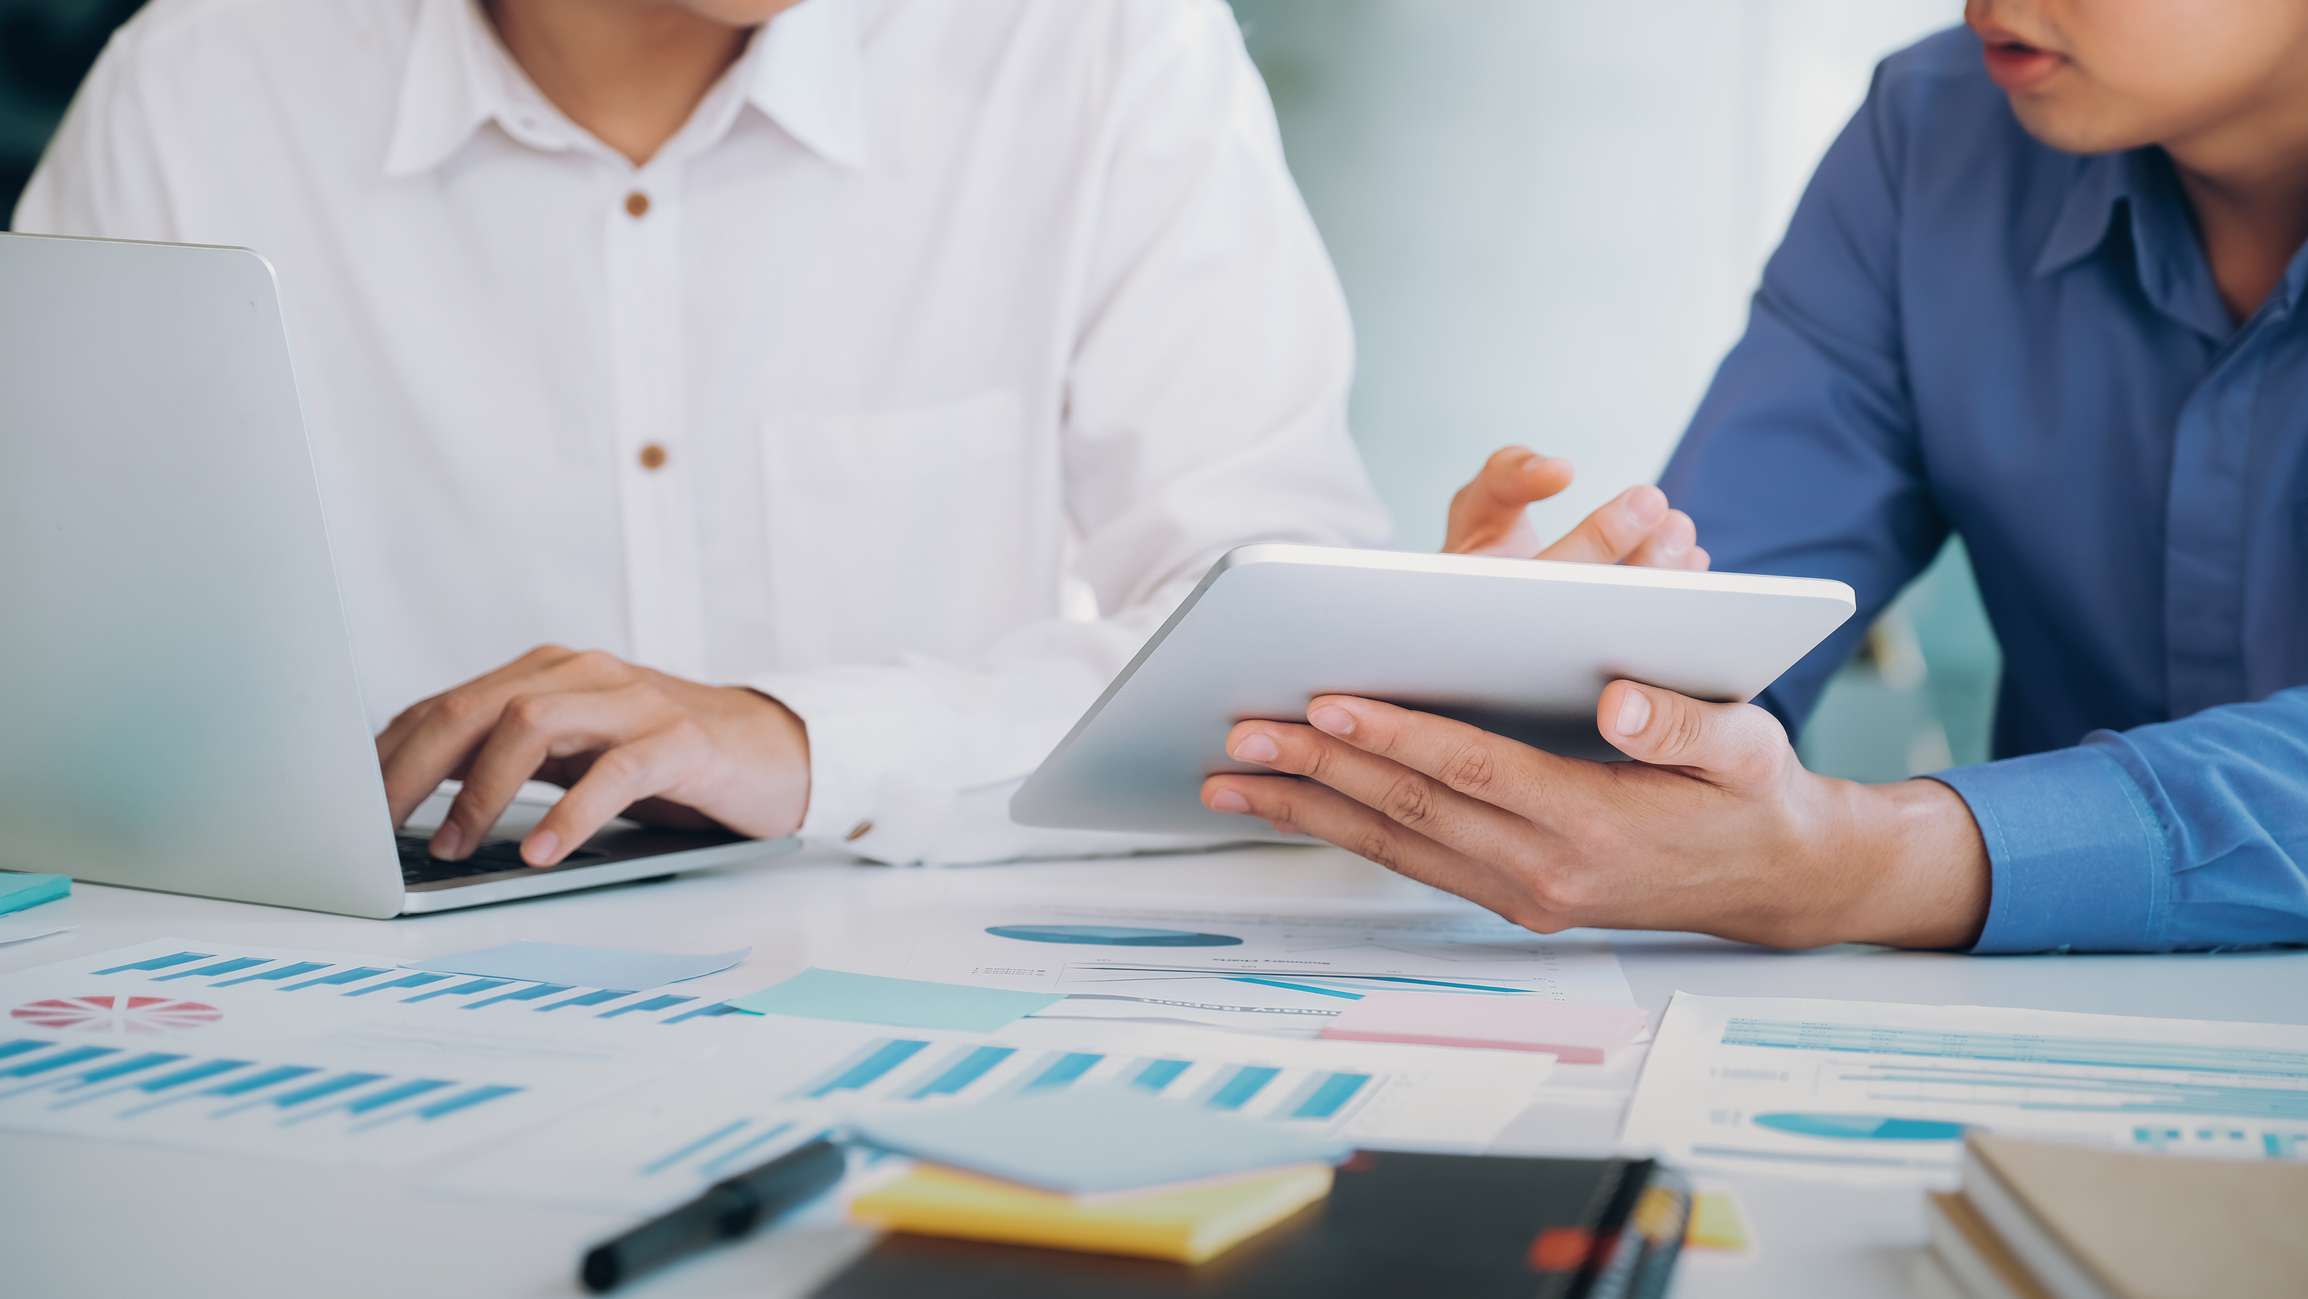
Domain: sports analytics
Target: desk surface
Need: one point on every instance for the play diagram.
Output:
(101, 1218)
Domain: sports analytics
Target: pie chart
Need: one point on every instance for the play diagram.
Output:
(1112, 936)
(116, 1014)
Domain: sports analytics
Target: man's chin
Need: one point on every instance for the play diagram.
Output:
(2073, 128)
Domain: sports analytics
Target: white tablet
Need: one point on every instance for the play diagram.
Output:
(1520, 647)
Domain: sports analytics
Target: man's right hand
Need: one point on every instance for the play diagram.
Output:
(1489, 516)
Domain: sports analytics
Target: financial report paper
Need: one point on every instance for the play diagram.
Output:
(1871, 1091)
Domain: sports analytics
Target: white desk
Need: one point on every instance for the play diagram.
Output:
(100, 1219)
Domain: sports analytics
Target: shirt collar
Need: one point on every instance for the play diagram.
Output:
(2140, 185)
(804, 71)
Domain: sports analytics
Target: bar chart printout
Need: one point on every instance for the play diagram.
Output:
(1886, 1092)
(634, 1151)
(186, 983)
(268, 1098)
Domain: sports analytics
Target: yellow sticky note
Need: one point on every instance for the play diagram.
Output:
(1186, 1224)
(1716, 1223)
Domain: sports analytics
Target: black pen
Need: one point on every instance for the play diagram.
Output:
(730, 1208)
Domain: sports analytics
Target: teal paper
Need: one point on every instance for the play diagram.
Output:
(900, 1003)
(1092, 1140)
(20, 891)
(580, 967)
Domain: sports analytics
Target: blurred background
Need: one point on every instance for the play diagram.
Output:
(1548, 215)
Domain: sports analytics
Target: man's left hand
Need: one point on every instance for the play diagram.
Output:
(1715, 827)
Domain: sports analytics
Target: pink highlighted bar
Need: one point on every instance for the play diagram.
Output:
(1572, 1034)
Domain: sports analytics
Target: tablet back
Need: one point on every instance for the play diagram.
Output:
(1519, 647)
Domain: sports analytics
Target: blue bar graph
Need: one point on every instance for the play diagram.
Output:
(61, 1060)
(289, 971)
(593, 998)
(868, 1068)
(660, 1002)
(118, 1068)
(1158, 1074)
(412, 987)
(468, 986)
(1236, 1088)
(463, 1101)
(530, 993)
(395, 1094)
(157, 962)
(260, 1080)
(1330, 1096)
(1064, 1069)
(322, 1090)
(708, 1011)
(221, 967)
(973, 1065)
(416, 980)
(353, 975)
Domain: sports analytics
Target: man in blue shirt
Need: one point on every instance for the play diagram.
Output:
(2042, 294)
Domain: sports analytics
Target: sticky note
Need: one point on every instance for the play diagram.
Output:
(1092, 1140)
(1187, 1224)
(18, 891)
(900, 1003)
(580, 967)
(1573, 1034)
(1716, 1223)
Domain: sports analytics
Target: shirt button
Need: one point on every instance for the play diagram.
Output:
(637, 205)
(653, 456)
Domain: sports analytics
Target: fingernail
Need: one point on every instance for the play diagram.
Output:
(1257, 747)
(1646, 505)
(1634, 713)
(1226, 800)
(1332, 720)
(448, 842)
(540, 848)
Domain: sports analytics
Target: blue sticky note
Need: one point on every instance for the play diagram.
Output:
(580, 967)
(901, 1003)
(1093, 1140)
(18, 891)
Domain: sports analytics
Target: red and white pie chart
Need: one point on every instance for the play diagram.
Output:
(116, 1014)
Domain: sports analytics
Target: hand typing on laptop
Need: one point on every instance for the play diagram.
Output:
(622, 740)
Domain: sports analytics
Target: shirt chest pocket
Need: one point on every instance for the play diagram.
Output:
(911, 530)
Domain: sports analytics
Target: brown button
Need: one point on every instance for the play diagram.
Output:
(637, 205)
(653, 456)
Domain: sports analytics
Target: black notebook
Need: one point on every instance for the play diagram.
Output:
(1467, 1226)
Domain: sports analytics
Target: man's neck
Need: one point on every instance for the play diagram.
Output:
(2247, 181)
(629, 71)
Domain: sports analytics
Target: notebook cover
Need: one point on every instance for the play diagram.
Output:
(2150, 1226)
(1467, 1226)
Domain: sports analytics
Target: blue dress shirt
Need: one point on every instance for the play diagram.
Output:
(1967, 331)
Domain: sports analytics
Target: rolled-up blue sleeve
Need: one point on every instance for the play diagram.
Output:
(2184, 834)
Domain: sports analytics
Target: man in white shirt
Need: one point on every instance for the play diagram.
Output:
(812, 359)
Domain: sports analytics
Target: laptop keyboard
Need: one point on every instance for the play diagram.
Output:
(494, 857)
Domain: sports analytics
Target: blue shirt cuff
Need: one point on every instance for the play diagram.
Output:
(2077, 857)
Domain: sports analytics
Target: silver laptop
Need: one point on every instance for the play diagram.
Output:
(178, 706)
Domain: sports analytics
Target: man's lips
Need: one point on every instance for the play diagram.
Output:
(2013, 63)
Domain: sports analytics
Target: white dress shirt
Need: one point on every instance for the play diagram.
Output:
(930, 314)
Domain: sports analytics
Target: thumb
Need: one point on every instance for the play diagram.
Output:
(1486, 517)
(1729, 744)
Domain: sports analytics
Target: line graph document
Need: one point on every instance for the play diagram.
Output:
(1866, 1091)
